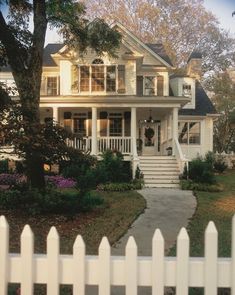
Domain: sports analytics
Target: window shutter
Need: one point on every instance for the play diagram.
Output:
(139, 86)
(127, 121)
(160, 85)
(74, 78)
(43, 85)
(121, 79)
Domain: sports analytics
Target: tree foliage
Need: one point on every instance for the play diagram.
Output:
(223, 95)
(181, 26)
(22, 49)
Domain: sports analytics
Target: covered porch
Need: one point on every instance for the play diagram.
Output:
(133, 131)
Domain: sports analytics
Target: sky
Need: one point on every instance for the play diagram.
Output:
(223, 10)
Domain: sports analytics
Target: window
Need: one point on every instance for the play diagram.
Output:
(186, 90)
(79, 124)
(149, 85)
(111, 79)
(100, 78)
(115, 124)
(189, 132)
(52, 86)
(97, 78)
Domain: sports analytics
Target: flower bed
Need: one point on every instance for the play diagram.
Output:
(10, 179)
(60, 181)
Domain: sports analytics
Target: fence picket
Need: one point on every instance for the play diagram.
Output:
(53, 249)
(182, 262)
(131, 267)
(233, 258)
(157, 263)
(104, 267)
(79, 252)
(27, 251)
(4, 250)
(211, 252)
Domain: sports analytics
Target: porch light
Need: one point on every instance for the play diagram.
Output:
(150, 119)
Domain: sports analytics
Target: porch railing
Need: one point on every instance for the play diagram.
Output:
(182, 161)
(120, 144)
(83, 144)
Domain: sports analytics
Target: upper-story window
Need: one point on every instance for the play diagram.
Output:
(149, 85)
(52, 86)
(98, 77)
(187, 91)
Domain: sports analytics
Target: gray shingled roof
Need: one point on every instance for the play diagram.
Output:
(195, 54)
(203, 105)
(51, 48)
(159, 49)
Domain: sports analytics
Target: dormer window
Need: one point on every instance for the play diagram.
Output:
(187, 91)
(149, 85)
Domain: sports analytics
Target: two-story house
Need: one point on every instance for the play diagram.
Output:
(130, 104)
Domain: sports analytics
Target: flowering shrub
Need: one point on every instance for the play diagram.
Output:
(60, 182)
(10, 179)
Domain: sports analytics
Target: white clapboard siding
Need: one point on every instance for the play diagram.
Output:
(53, 269)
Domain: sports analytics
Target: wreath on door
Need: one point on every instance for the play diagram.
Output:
(149, 133)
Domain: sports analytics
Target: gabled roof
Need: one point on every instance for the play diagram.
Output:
(159, 49)
(195, 55)
(51, 48)
(203, 104)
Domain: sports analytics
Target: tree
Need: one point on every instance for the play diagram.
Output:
(23, 51)
(180, 25)
(223, 89)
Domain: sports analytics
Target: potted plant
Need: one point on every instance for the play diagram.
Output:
(169, 151)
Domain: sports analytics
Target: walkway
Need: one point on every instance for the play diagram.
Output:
(167, 209)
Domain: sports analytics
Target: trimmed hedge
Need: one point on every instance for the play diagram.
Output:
(190, 185)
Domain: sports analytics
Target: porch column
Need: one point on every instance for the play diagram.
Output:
(174, 128)
(133, 132)
(55, 115)
(94, 132)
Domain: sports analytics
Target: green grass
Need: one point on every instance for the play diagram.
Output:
(218, 207)
(112, 220)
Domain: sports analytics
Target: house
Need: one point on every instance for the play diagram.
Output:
(131, 104)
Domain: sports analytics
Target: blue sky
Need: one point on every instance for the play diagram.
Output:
(223, 10)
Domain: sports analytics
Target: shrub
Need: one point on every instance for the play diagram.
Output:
(220, 165)
(90, 201)
(210, 159)
(120, 187)
(60, 181)
(138, 173)
(200, 171)
(4, 166)
(35, 202)
(10, 179)
(190, 185)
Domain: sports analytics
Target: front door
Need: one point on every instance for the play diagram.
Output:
(150, 135)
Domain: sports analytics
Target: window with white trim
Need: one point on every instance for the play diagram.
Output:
(187, 89)
(149, 85)
(115, 124)
(189, 133)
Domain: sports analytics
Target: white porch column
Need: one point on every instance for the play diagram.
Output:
(55, 115)
(174, 128)
(94, 132)
(133, 132)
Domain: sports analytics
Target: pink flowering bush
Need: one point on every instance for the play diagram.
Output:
(60, 182)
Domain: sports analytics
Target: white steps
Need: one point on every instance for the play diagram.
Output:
(160, 171)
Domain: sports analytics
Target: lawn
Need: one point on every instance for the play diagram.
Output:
(112, 220)
(218, 207)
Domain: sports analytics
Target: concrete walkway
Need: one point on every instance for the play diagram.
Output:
(168, 210)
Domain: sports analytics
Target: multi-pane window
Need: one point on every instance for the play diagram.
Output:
(84, 78)
(115, 124)
(111, 79)
(186, 90)
(52, 86)
(100, 78)
(79, 124)
(97, 78)
(189, 132)
(149, 85)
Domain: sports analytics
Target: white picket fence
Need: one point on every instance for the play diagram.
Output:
(105, 270)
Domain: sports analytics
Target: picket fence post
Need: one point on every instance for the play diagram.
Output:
(158, 263)
(233, 258)
(79, 264)
(104, 267)
(4, 250)
(131, 267)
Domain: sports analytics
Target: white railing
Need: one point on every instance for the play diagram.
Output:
(121, 144)
(182, 161)
(104, 270)
(83, 144)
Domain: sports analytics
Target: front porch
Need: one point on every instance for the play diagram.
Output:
(132, 131)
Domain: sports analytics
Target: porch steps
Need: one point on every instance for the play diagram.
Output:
(160, 171)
